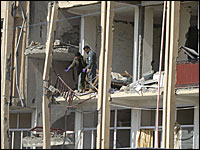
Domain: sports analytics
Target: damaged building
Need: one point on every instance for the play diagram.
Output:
(137, 74)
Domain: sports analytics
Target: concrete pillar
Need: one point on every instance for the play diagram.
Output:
(136, 44)
(78, 130)
(34, 118)
(82, 42)
(196, 128)
(148, 40)
(135, 125)
(184, 26)
(88, 32)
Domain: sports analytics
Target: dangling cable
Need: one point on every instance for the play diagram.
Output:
(161, 55)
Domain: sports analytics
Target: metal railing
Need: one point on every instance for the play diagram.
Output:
(65, 90)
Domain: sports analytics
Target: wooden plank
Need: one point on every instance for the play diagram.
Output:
(48, 61)
(24, 45)
(49, 18)
(101, 73)
(171, 102)
(7, 44)
(13, 63)
(167, 43)
(107, 76)
(27, 43)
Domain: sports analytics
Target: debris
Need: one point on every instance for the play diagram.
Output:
(148, 75)
(156, 77)
(117, 76)
(117, 80)
(149, 81)
(128, 74)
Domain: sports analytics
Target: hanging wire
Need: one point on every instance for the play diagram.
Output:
(160, 68)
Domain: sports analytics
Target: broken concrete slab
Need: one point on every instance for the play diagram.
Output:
(62, 53)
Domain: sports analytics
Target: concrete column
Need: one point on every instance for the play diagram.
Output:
(196, 128)
(148, 40)
(34, 118)
(135, 125)
(136, 44)
(78, 130)
(184, 26)
(90, 32)
(82, 42)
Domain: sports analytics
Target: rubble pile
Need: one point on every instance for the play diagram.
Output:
(145, 83)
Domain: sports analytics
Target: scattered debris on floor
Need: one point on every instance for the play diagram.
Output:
(146, 83)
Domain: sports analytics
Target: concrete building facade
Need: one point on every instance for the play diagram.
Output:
(137, 31)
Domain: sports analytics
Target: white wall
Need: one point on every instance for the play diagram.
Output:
(90, 32)
(122, 58)
(122, 42)
(148, 40)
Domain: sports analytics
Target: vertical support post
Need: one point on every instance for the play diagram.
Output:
(196, 127)
(198, 26)
(13, 139)
(49, 17)
(14, 63)
(169, 106)
(82, 42)
(78, 129)
(115, 131)
(48, 61)
(135, 126)
(107, 76)
(101, 73)
(140, 42)
(27, 43)
(7, 46)
(21, 144)
(136, 44)
(167, 43)
(21, 82)
(92, 140)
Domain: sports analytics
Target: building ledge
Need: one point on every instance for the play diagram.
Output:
(184, 97)
(61, 53)
(19, 109)
(69, 4)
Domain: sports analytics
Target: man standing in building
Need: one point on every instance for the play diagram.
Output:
(91, 66)
(80, 63)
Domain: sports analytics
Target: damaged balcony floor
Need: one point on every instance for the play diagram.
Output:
(147, 98)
